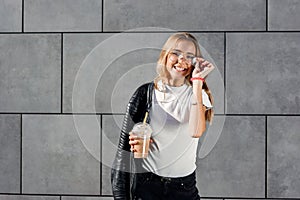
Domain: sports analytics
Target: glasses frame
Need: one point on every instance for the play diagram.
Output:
(177, 53)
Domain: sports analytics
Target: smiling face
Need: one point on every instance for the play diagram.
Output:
(179, 61)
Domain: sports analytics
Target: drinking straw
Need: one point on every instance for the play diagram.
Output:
(145, 118)
(145, 136)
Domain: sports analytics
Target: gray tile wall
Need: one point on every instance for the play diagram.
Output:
(87, 198)
(30, 73)
(61, 164)
(193, 15)
(62, 15)
(235, 167)
(62, 61)
(11, 15)
(283, 156)
(111, 125)
(267, 65)
(284, 15)
(10, 135)
(29, 197)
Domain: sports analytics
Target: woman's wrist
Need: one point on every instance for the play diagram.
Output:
(197, 83)
(197, 89)
(197, 79)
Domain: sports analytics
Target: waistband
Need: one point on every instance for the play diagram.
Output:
(153, 176)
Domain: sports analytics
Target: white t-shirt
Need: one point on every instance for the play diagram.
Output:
(173, 152)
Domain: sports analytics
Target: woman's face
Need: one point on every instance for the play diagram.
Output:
(179, 60)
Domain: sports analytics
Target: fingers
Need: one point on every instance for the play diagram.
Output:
(206, 67)
(203, 63)
(202, 68)
(132, 149)
(199, 59)
(209, 68)
(132, 136)
(132, 141)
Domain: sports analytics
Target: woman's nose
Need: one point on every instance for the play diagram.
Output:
(181, 57)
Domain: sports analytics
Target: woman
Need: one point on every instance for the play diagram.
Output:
(179, 104)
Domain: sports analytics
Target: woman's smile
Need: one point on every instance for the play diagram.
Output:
(179, 68)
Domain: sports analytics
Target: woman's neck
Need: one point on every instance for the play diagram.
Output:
(176, 82)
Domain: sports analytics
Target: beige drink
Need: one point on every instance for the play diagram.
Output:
(143, 132)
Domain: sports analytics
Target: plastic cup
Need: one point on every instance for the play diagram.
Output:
(143, 132)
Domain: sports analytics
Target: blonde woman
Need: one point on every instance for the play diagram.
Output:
(179, 104)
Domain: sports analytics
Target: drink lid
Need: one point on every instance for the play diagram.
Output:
(142, 128)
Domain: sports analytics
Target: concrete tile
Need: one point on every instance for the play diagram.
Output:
(59, 154)
(236, 165)
(257, 199)
(283, 15)
(10, 153)
(87, 198)
(193, 15)
(62, 15)
(110, 67)
(111, 129)
(76, 47)
(10, 15)
(106, 182)
(25, 197)
(30, 73)
(283, 157)
(210, 198)
(262, 73)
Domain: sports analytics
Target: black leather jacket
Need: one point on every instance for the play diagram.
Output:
(122, 173)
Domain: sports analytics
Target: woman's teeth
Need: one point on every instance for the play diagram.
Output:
(179, 68)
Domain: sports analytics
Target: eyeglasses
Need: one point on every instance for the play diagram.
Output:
(177, 53)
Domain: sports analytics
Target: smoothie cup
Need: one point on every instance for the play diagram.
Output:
(143, 132)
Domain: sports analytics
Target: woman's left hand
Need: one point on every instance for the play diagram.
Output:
(202, 68)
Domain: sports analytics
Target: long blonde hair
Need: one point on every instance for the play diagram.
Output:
(162, 70)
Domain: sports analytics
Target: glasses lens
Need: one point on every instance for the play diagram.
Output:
(188, 56)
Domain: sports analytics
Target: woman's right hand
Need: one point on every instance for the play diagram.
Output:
(132, 141)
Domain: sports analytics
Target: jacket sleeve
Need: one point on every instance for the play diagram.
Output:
(121, 169)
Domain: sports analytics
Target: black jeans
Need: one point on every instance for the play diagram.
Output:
(149, 186)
